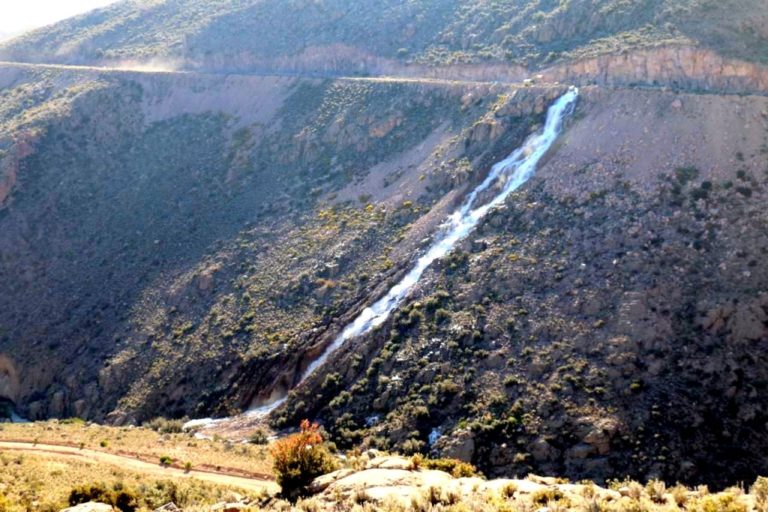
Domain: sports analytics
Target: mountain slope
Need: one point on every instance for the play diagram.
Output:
(185, 243)
(252, 34)
(610, 320)
(164, 231)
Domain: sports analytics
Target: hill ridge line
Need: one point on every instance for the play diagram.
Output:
(678, 68)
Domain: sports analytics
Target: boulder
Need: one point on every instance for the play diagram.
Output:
(580, 451)
(91, 506)
(168, 507)
(600, 434)
(461, 445)
(321, 483)
(748, 323)
(541, 450)
(374, 478)
(205, 280)
(57, 405)
(543, 480)
(391, 462)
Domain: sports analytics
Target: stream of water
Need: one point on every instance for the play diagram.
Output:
(507, 175)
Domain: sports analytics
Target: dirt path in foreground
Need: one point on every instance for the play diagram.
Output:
(132, 464)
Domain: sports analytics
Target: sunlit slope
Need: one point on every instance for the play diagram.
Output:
(257, 33)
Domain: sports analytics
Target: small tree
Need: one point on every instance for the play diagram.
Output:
(300, 458)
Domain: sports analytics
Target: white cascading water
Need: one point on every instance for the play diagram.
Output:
(511, 173)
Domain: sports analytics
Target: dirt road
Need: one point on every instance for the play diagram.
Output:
(132, 464)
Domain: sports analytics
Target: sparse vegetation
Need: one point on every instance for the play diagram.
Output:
(43, 482)
(259, 437)
(146, 444)
(165, 426)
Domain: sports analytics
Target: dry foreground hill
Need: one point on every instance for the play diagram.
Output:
(196, 197)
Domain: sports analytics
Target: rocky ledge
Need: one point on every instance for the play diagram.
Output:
(383, 482)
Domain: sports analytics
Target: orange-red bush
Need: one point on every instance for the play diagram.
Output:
(300, 458)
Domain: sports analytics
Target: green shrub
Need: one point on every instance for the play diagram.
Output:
(119, 496)
(455, 467)
(72, 421)
(165, 426)
(442, 316)
(258, 437)
(686, 174)
(300, 458)
(412, 446)
(165, 460)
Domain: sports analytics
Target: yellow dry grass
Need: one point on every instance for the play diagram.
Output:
(44, 482)
(211, 455)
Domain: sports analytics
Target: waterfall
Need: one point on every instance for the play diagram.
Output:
(512, 172)
(508, 174)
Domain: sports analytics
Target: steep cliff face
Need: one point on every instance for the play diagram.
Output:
(675, 67)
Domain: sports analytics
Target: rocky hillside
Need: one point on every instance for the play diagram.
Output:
(185, 243)
(167, 240)
(355, 36)
(611, 320)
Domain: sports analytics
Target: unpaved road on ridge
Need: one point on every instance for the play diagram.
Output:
(149, 70)
(132, 464)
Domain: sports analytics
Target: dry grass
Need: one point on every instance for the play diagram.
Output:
(213, 455)
(43, 483)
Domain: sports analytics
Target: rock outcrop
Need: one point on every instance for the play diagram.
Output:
(387, 483)
(21, 147)
(683, 68)
(9, 380)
